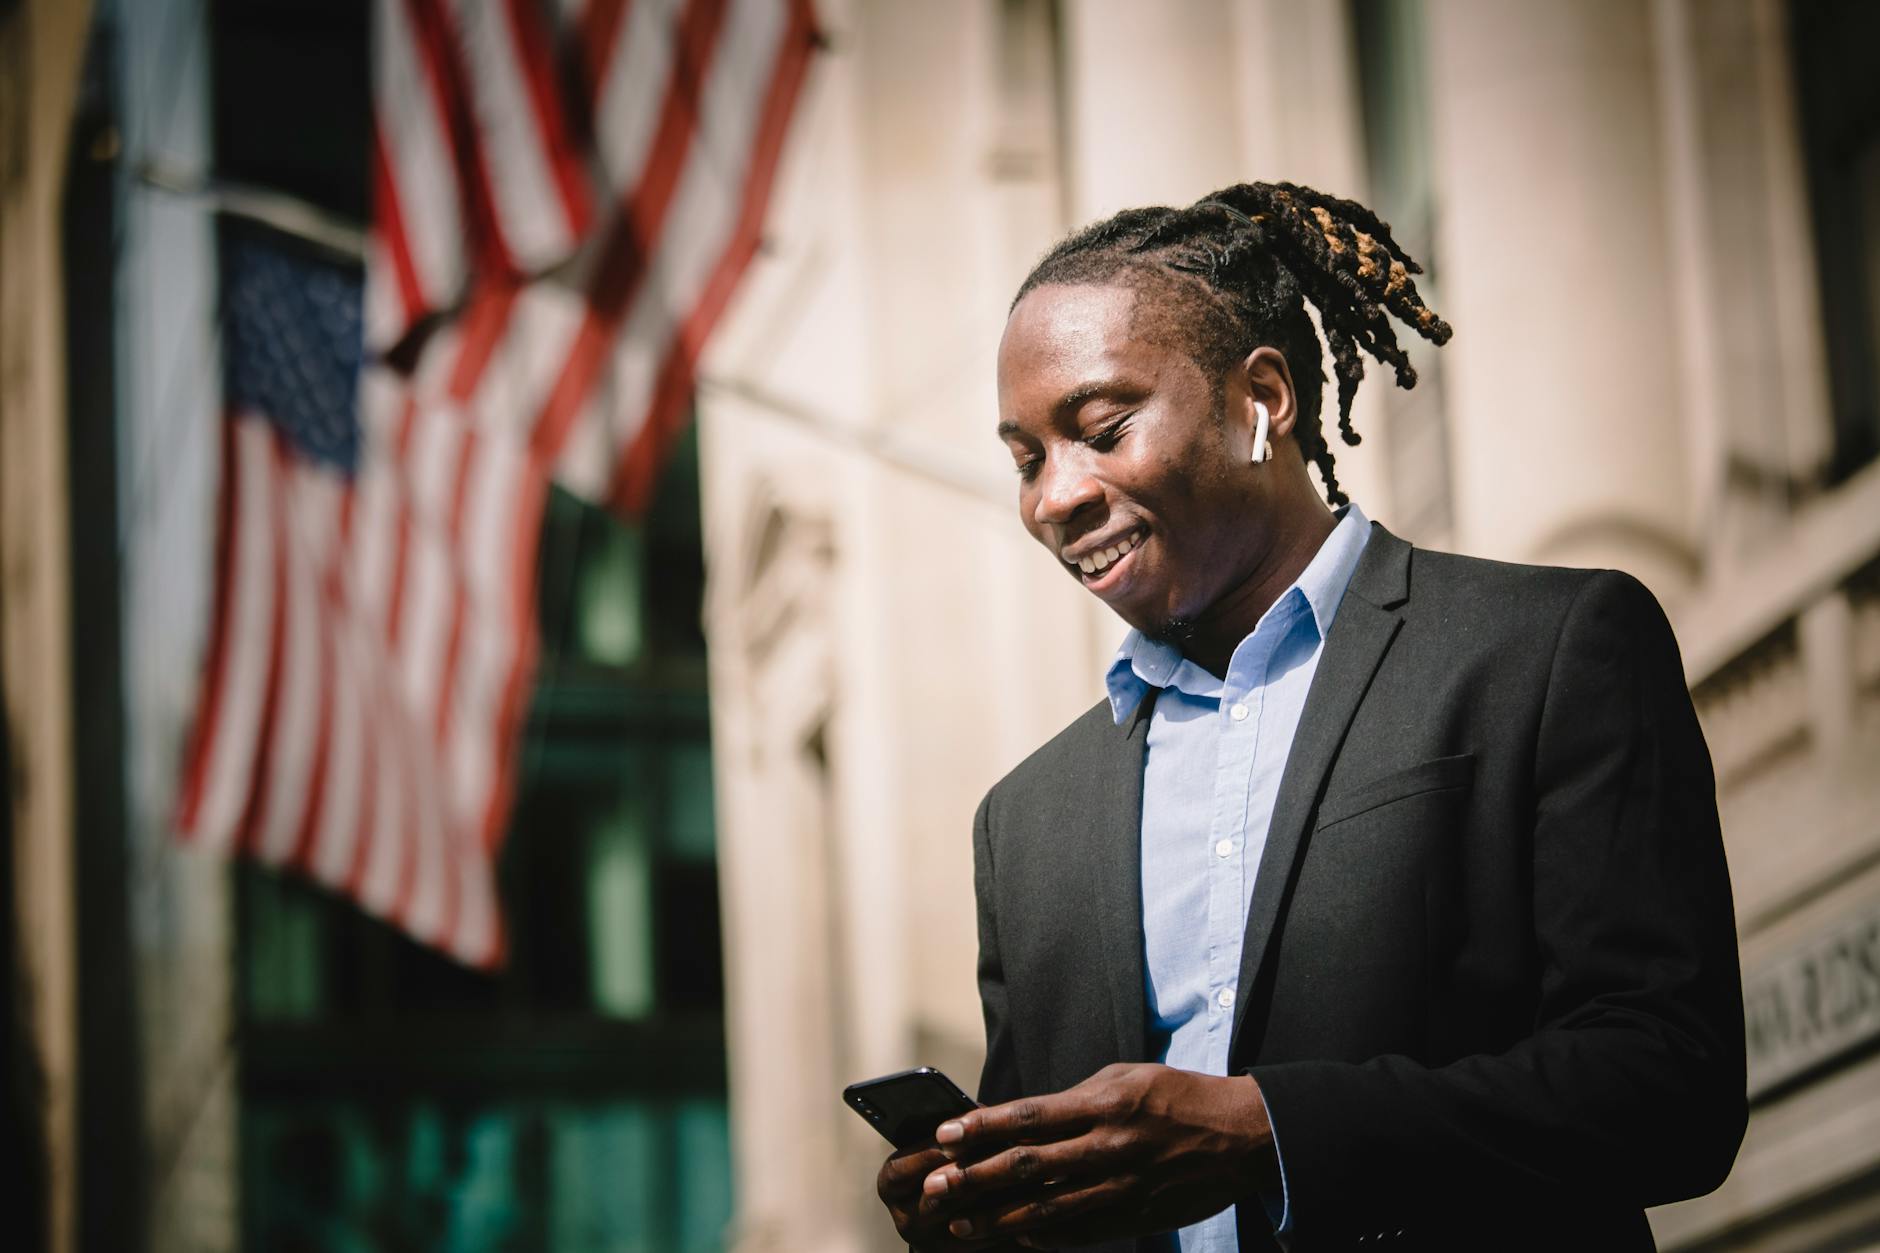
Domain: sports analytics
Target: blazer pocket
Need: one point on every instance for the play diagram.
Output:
(1434, 775)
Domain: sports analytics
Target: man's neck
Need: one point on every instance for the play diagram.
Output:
(1218, 632)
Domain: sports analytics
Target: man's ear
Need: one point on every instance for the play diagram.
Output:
(1269, 381)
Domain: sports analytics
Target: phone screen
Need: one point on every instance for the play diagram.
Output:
(906, 1107)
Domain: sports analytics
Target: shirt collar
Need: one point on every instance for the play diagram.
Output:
(1142, 663)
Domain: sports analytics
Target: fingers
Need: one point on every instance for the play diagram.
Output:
(1032, 1118)
(898, 1183)
(1013, 1168)
(900, 1177)
(1023, 1188)
(1047, 1220)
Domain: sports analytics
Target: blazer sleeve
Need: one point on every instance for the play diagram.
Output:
(998, 1079)
(1630, 1090)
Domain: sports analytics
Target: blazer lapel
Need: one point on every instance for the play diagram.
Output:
(1118, 852)
(1361, 634)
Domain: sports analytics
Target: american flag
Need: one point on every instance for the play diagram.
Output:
(565, 197)
(579, 244)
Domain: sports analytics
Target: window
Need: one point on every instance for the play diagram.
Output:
(575, 1099)
(1839, 98)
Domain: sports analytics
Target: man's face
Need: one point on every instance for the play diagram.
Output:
(1125, 469)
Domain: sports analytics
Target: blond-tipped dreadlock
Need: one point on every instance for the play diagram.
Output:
(1260, 250)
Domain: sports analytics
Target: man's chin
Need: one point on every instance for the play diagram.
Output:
(1175, 631)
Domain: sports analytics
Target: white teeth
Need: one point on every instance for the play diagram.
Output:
(1106, 558)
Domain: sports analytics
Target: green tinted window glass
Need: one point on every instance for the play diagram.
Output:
(620, 911)
(617, 595)
(691, 826)
(283, 974)
(637, 1176)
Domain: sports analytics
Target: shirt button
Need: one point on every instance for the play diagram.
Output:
(1238, 713)
(1225, 998)
(1223, 848)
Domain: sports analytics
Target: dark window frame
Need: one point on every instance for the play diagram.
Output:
(1838, 115)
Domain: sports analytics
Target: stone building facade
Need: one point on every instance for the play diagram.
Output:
(1625, 207)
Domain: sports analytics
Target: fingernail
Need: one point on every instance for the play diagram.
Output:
(936, 1184)
(962, 1226)
(950, 1131)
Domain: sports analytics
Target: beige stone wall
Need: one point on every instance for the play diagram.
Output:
(41, 47)
(1784, 656)
(1626, 256)
(179, 903)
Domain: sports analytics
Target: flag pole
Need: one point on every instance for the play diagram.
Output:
(287, 214)
(295, 217)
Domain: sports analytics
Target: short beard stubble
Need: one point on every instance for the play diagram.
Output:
(1176, 631)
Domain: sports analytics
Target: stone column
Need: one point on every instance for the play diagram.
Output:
(41, 48)
(169, 413)
(1152, 97)
(1566, 406)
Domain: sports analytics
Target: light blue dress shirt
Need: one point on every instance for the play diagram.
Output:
(1215, 753)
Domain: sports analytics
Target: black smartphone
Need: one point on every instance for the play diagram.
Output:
(907, 1106)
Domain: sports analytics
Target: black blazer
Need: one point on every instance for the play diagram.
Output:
(1489, 985)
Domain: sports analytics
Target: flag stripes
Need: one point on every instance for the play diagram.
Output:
(646, 449)
(690, 101)
(547, 259)
(349, 779)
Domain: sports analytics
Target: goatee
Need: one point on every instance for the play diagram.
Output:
(1176, 631)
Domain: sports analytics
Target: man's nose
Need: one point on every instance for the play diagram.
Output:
(1063, 489)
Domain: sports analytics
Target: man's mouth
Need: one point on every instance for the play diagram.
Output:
(1094, 565)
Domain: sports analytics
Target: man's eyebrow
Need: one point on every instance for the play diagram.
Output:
(1077, 397)
(1101, 389)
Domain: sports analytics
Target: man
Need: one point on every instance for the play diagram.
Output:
(1383, 901)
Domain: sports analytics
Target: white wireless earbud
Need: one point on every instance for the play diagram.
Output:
(1262, 450)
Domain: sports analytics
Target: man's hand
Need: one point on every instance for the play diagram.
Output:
(1131, 1150)
(899, 1185)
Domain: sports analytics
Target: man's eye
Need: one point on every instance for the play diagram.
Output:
(1107, 438)
(1028, 469)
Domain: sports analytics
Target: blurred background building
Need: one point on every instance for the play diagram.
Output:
(738, 874)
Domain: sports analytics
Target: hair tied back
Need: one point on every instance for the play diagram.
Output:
(1230, 211)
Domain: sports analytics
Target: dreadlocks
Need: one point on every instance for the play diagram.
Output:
(1259, 251)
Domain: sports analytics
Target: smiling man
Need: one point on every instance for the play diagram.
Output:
(1382, 902)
